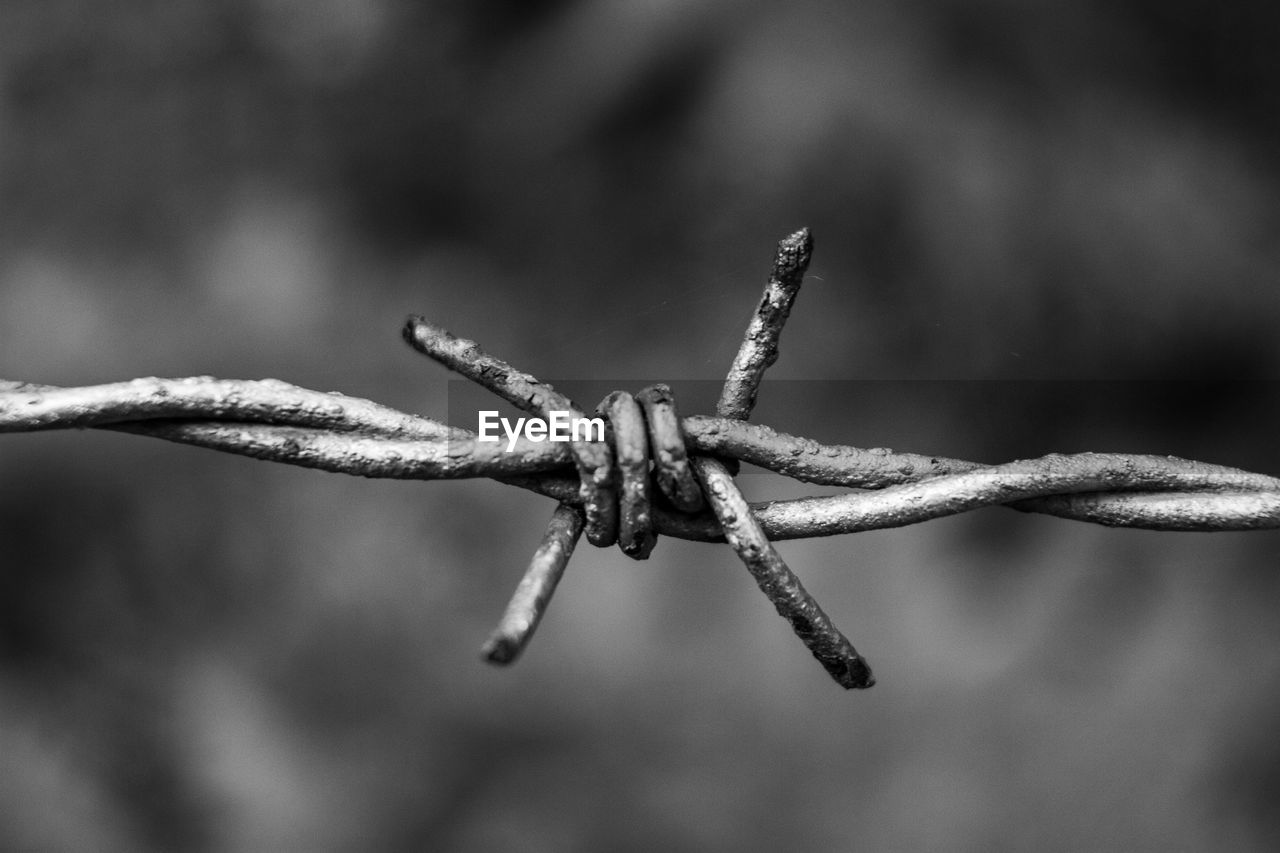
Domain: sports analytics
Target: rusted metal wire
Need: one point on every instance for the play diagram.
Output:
(534, 592)
(594, 459)
(639, 482)
(631, 444)
(780, 585)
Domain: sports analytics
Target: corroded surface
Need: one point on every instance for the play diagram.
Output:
(631, 447)
(531, 597)
(650, 450)
(760, 345)
(671, 460)
(779, 584)
(595, 459)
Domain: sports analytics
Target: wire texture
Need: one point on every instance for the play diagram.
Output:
(654, 473)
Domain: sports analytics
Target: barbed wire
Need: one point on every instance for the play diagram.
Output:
(654, 473)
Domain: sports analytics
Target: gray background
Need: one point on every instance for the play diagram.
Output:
(202, 652)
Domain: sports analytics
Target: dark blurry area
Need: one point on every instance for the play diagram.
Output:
(203, 652)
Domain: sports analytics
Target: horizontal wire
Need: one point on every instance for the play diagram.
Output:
(444, 452)
(1177, 511)
(1213, 497)
(26, 406)
(1055, 475)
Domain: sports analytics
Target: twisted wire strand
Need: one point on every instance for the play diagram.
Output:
(655, 473)
(207, 398)
(1202, 496)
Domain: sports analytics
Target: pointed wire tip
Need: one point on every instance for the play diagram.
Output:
(411, 326)
(500, 650)
(853, 674)
(794, 252)
(803, 238)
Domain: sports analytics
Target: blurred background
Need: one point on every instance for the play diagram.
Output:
(202, 652)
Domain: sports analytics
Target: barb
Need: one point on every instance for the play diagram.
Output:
(535, 590)
(640, 481)
(595, 461)
(779, 584)
(776, 580)
(760, 345)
